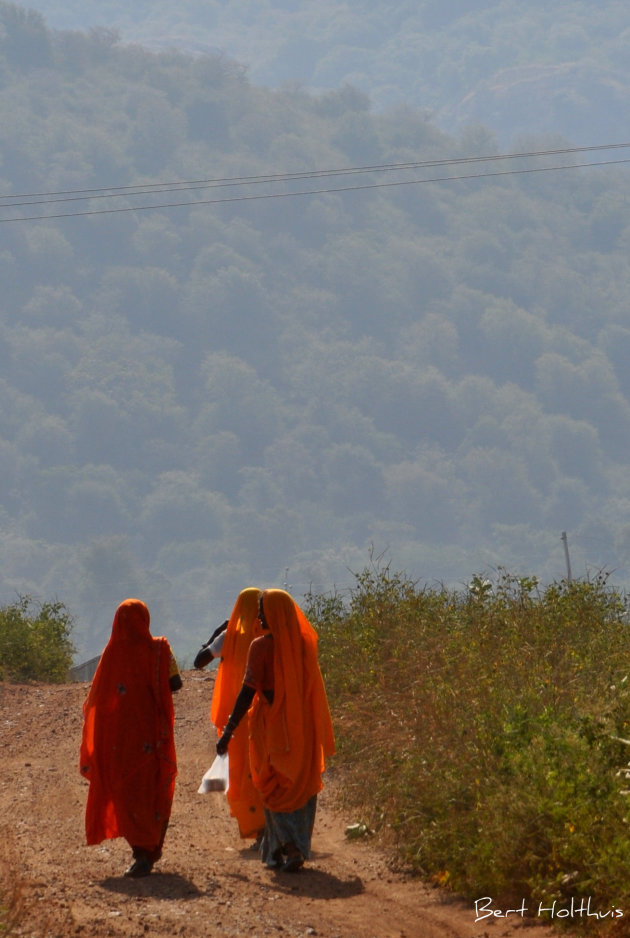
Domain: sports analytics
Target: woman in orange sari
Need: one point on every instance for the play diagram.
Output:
(128, 747)
(290, 728)
(242, 626)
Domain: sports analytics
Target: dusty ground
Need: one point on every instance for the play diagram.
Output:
(208, 883)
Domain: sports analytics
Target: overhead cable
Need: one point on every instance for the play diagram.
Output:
(9, 202)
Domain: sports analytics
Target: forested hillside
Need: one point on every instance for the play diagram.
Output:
(517, 67)
(258, 392)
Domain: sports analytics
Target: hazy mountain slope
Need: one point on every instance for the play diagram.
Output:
(263, 387)
(518, 68)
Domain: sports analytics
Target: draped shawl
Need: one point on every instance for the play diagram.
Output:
(128, 747)
(291, 738)
(243, 798)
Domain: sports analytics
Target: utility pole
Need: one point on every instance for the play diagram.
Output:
(566, 554)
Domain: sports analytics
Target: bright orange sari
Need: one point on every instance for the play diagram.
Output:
(243, 799)
(128, 747)
(291, 738)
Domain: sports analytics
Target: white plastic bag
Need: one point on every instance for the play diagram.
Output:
(217, 778)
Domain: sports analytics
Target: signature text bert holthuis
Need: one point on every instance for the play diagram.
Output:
(576, 908)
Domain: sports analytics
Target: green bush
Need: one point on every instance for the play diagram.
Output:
(486, 730)
(35, 641)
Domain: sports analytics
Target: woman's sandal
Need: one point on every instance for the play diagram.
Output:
(294, 860)
(141, 866)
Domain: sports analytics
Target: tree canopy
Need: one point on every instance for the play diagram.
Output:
(520, 68)
(35, 641)
(263, 390)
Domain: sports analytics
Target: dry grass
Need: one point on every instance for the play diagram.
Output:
(492, 720)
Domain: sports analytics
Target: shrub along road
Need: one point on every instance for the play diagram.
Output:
(208, 882)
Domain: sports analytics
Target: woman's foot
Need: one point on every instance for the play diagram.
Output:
(141, 866)
(256, 844)
(276, 860)
(294, 860)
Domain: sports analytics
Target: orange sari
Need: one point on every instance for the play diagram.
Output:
(128, 747)
(243, 799)
(290, 738)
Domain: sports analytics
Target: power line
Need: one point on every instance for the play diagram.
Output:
(173, 186)
(163, 188)
(282, 195)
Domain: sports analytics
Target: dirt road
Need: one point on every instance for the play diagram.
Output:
(208, 882)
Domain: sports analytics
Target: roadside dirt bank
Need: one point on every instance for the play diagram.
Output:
(208, 883)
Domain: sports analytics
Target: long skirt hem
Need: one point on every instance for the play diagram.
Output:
(283, 828)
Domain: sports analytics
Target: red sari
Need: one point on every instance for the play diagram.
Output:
(128, 747)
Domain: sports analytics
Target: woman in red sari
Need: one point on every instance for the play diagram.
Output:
(290, 728)
(128, 746)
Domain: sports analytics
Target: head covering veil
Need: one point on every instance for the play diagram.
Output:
(240, 631)
(291, 739)
(243, 626)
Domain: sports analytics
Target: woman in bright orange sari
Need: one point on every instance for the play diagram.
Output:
(290, 728)
(128, 747)
(243, 798)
